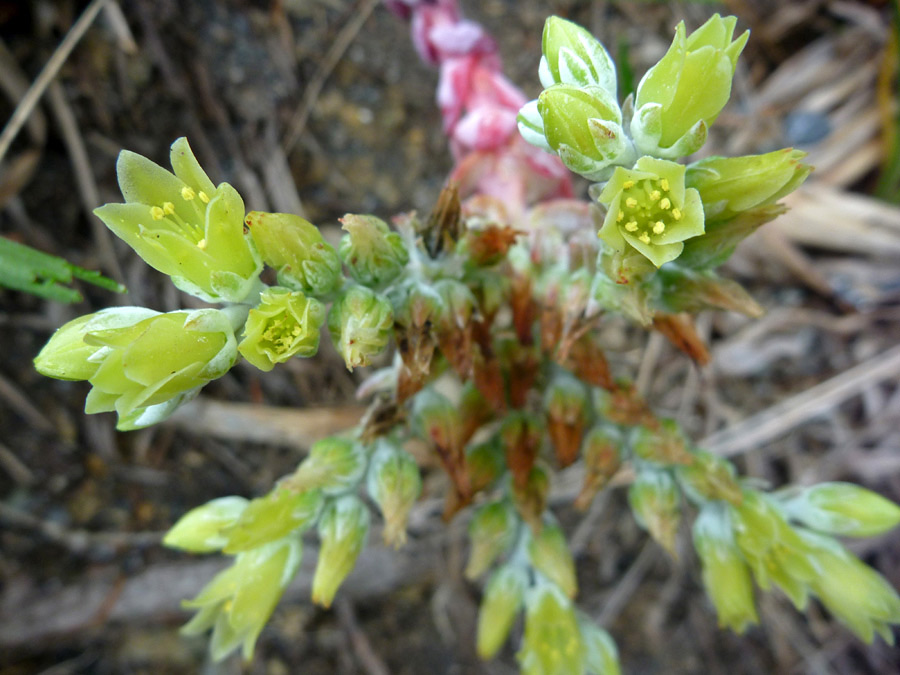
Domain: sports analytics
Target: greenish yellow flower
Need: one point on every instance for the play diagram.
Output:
(681, 96)
(773, 549)
(394, 484)
(853, 592)
(273, 517)
(552, 644)
(655, 503)
(548, 552)
(843, 509)
(360, 323)
(343, 529)
(334, 465)
(731, 185)
(66, 356)
(184, 226)
(293, 246)
(372, 253)
(284, 324)
(492, 531)
(143, 370)
(571, 55)
(726, 575)
(583, 125)
(502, 601)
(200, 530)
(649, 209)
(238, 601)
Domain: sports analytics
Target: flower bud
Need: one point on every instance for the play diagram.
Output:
(66, 356)
(692, 291)
(663, 446)
(360, 323)
(394, 483)
(600, 653)
(602, 459)
(710, 477)
(200, 529)
(584, 127)
(303, 260)
(844, 509)
(726, 576)
(853, 592)
(238, 601)
(147, 369)
(373, 254)
(654, 501)
(334, 465)
(502, 600)
(729, 185)
(552, 642)
(271, 517)
(284, 324)
(571, 55)
(492, 531)
(521, 437)
(343, 529)
(681, 96)
(549, 553)
(183, 226)
(485, 463)
(649, 209)
(566, 405)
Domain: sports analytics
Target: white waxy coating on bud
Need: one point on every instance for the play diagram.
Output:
(394, 484)
(360, 324)
(200, 529)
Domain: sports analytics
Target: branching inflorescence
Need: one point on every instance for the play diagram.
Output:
(497, 298)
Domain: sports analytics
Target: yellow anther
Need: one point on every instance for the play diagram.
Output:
(297, 330)
(659, 227)
(631, 225)
(644, 237)
(203, 197)
(664, 184)
(620, 216)
(201, 244)
(655, 195)
(628, 184)
(168, 208)
(157, 213)
(187, 194)
(664, 203)
(631, 202)
(676, 214)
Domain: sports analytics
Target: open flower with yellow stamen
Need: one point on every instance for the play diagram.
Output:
(284, 324)
(184, 226)
(649, 209)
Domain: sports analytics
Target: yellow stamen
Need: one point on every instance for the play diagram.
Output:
(631, 202)
(628, 184)
(644, 237)
(168, 208)
(664, 203)
(297, 330)
(187, 194)
(676, 214)
(664, 184)
(201, 244)
(631, 225)
(620, 216)
(659, 227)
(157, 213)
(655, 195)
(203, 197)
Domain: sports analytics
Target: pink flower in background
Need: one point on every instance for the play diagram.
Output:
(479, 107)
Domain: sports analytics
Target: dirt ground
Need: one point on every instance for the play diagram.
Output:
(322, 106)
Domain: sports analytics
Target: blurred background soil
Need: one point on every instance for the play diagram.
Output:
(322, 107)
